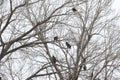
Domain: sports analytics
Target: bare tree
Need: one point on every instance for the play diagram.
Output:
(59, 40)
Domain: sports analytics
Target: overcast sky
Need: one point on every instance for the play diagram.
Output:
(116, 5)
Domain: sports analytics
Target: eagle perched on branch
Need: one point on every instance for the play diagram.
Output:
(53, 59)
(56, 38)
(74, 10)
(68, 45)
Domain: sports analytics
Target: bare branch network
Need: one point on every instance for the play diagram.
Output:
(59, 40)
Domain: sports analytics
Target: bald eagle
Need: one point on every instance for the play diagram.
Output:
(56, 38)
(68, 45)
(74, 10)
(53, 59)
(84, 67)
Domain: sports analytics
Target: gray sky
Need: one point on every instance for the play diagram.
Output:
(116, 5)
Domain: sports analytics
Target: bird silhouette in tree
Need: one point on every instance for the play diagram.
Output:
(53, 59)
(74, 10)
(68, 45)
(85, 67)
(56, 38)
